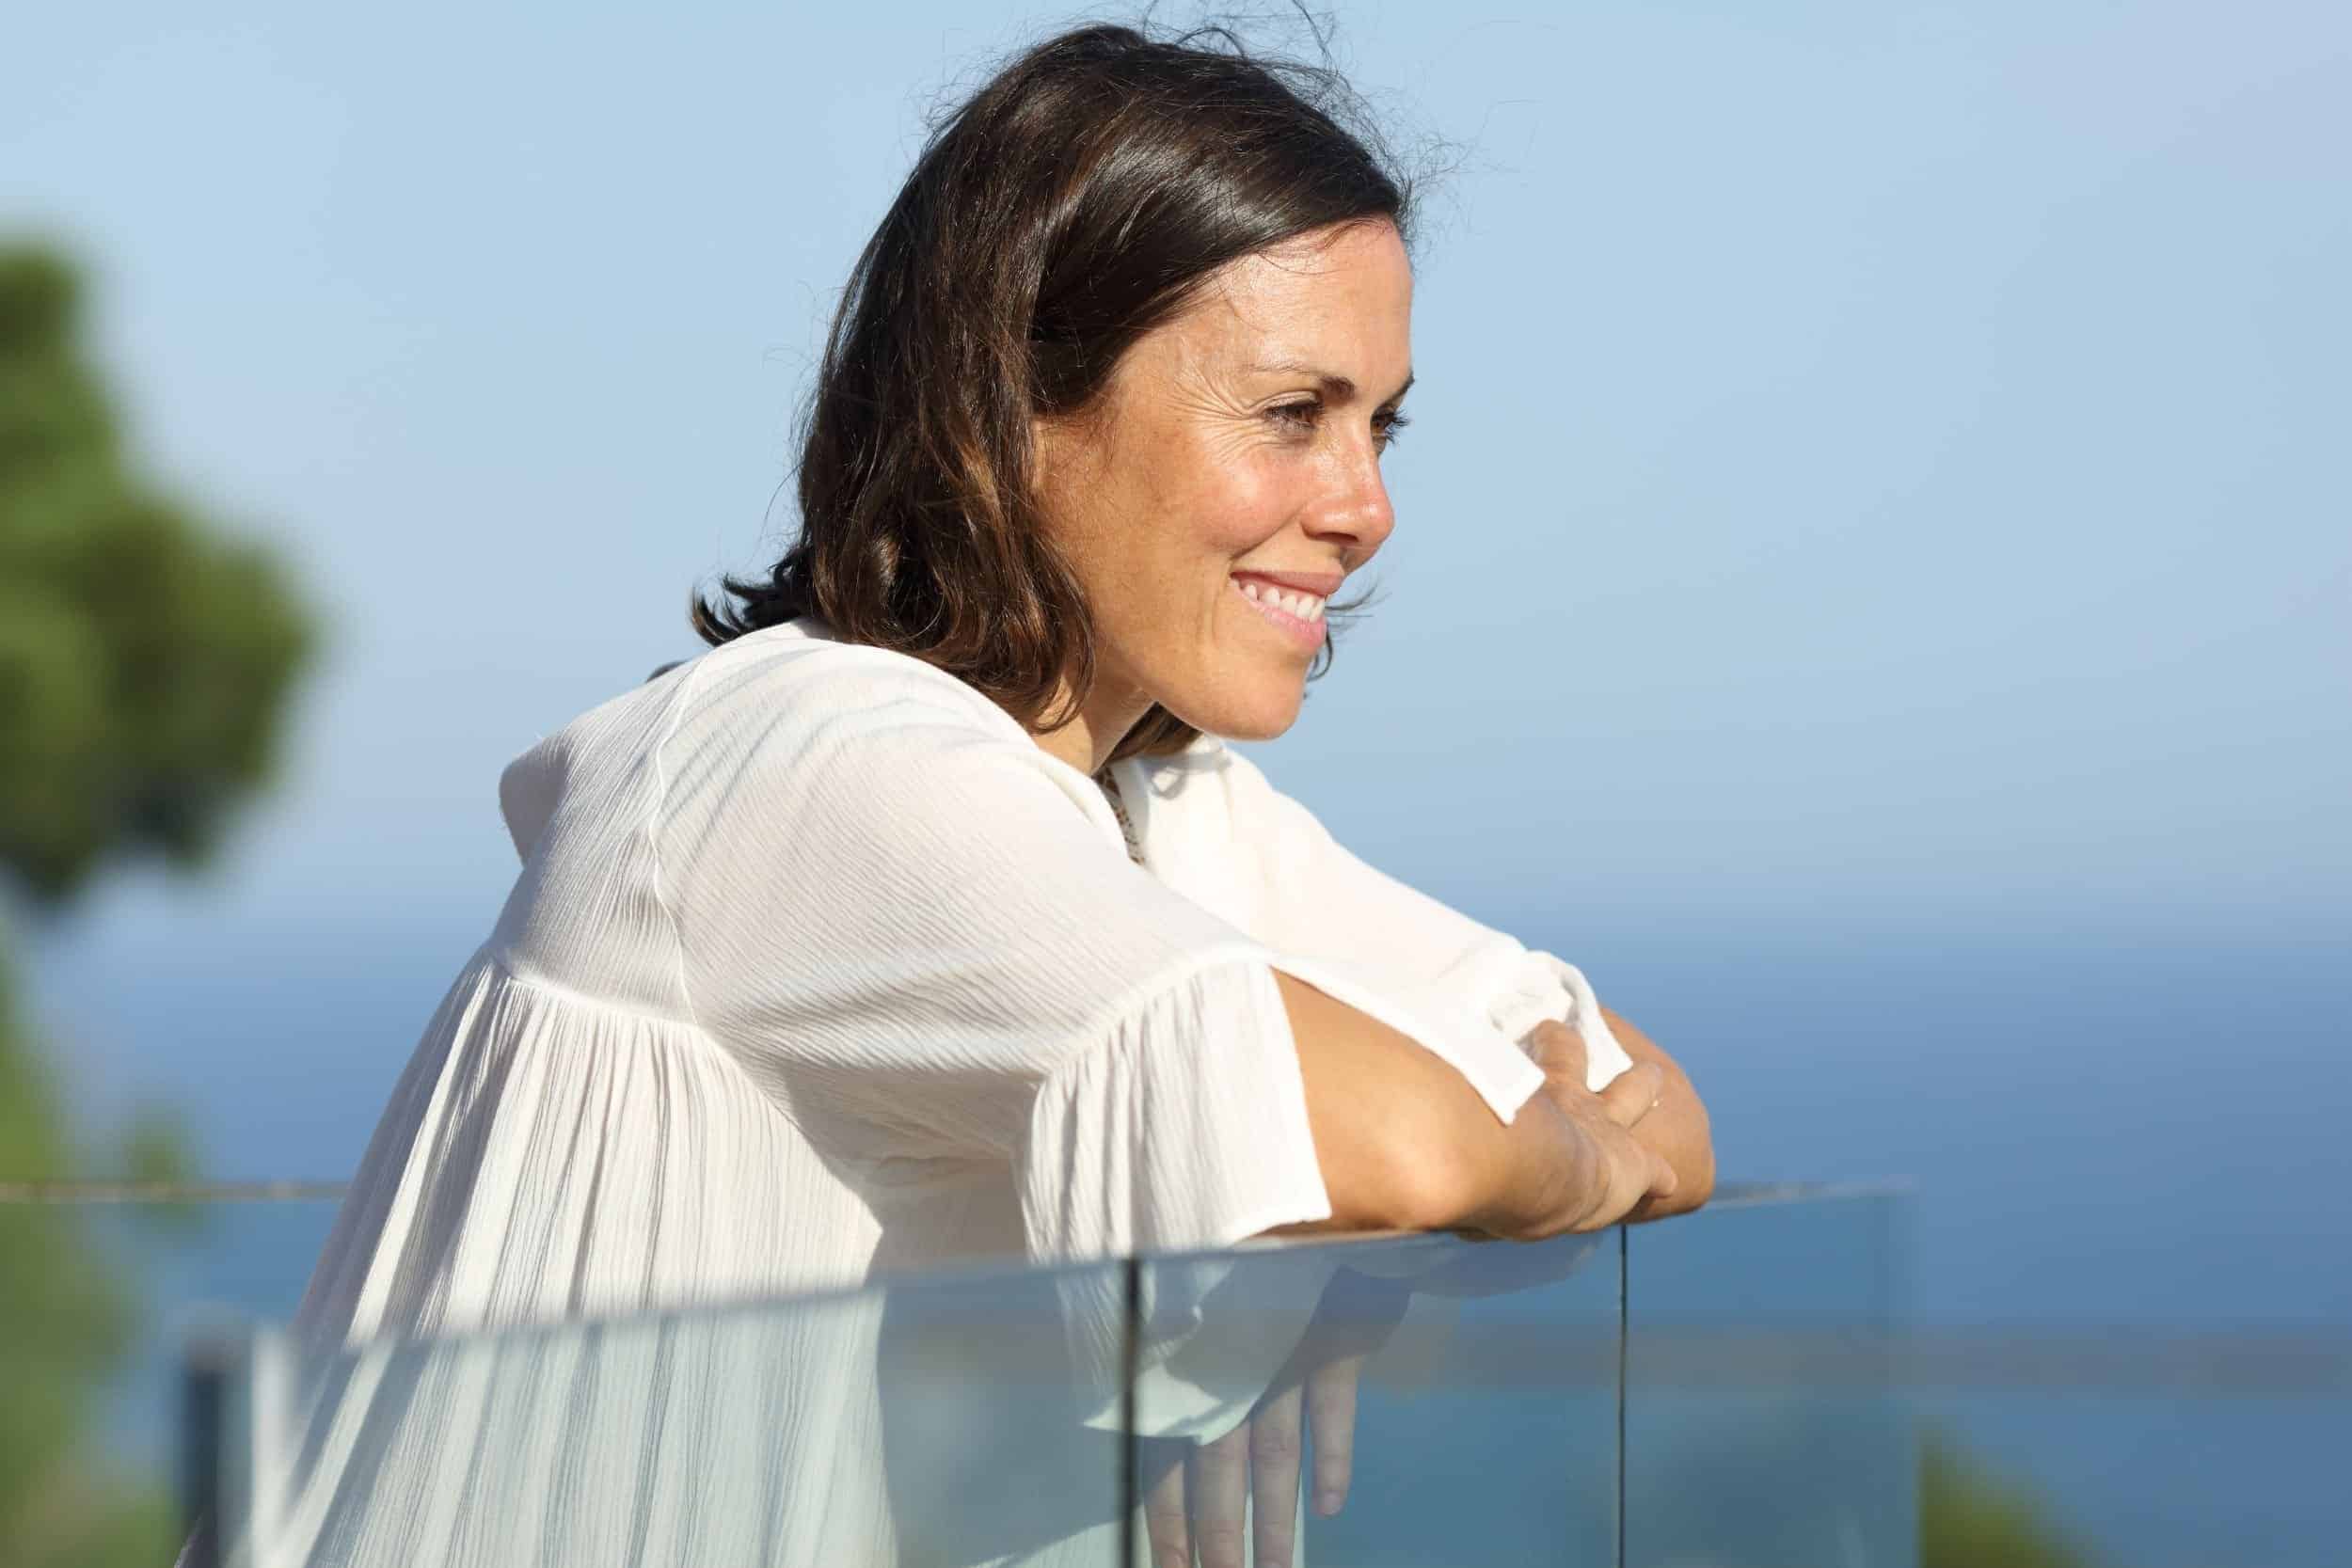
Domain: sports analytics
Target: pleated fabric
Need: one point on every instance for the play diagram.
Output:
(819, 972)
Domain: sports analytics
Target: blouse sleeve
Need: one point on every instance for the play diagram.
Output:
(921, 935)
(1311, 895)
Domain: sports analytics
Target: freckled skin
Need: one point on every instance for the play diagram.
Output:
(1196, 474)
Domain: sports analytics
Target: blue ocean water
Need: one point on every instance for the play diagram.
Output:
(2104, 1129)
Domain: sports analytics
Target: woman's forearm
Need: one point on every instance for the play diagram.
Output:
(1404, 1142)
(1402, 1139)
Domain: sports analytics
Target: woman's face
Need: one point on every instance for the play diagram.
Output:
(1240, 444)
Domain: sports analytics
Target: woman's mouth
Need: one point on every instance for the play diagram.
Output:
(1298, 616)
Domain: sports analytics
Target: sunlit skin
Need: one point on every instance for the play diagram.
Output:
(1207, 465)
(1246, 434)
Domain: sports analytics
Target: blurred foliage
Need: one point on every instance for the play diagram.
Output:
(65, 1323)
(1970, 1518)
(145, 669)
(145, 663)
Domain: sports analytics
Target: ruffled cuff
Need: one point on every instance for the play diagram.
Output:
(1543, 985)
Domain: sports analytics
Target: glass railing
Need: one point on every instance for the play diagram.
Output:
(1766, 1417)
(1716, 1388)
(1732, 1387)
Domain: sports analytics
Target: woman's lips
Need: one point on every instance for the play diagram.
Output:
(1304, 630)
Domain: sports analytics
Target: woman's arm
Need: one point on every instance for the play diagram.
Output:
(1314, 896)
(1405, 1143)
(1303, 891)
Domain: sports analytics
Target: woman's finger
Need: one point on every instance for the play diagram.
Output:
(1630, 1094)
(1164, 1518)
(1273, 1450)
(1631, 1174)
(1331, 1419)
(1559, 1049)
(1219, 1495)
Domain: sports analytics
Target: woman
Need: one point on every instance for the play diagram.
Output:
(928, 915)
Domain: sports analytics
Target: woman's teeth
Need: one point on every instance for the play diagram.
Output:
(1306, 607)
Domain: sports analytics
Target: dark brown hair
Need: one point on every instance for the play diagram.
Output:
(1080, 197)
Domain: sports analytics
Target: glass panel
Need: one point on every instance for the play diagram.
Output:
(100, 1296)
(1764, 1423)
(947, 1422)
(979, 1418)
(1484, 1380)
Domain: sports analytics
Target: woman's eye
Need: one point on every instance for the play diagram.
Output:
(1304, 413)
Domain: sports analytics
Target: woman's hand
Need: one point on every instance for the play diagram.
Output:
(1199, 1495)
(1570, 1162)
(1675, 1128)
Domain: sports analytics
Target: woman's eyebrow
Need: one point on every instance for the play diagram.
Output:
(1336, 384)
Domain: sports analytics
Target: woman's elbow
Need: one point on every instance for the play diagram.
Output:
(1417, 1174)
(1403, 1141)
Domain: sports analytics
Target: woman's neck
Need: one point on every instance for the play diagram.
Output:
(1087, 740)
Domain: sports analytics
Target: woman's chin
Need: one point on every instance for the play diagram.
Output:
(1260, 715)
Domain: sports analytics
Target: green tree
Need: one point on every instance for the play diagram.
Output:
(146, 663)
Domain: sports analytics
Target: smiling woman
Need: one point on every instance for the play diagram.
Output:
(928, 915)
(1208, 510)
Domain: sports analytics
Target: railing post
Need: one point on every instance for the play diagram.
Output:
(203, 1401)
(1130, 1444)
(1625, 1260)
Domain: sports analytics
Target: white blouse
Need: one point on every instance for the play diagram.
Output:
(820, 969)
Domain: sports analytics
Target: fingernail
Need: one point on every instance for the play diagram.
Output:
(1327, 1503)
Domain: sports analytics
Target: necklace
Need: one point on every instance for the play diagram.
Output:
(1118, 809)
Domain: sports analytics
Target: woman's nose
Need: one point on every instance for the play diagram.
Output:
(1360, 515)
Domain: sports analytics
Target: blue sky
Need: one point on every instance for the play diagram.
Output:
(1870, 462)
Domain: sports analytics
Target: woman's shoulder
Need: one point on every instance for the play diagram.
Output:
(799, 674)
(794, 721)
